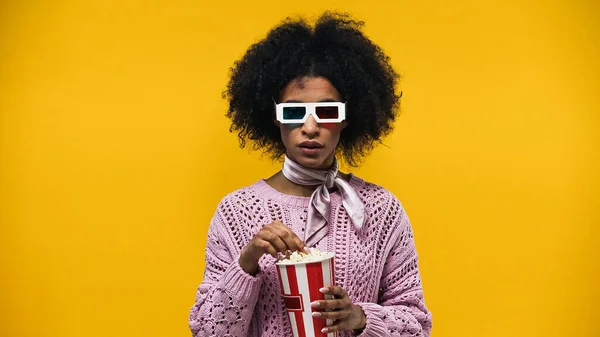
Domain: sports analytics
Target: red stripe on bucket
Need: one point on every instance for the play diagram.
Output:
(293, 282)
(280, 280)
(314, 271)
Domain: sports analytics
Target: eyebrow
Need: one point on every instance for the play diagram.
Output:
(297, 101)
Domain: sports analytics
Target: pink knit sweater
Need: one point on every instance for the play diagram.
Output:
(377, 266)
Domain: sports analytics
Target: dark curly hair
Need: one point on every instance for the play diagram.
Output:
(335, 49)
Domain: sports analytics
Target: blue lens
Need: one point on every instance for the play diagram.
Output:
(294, 113)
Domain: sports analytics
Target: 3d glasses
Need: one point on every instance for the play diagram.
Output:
(322, 112)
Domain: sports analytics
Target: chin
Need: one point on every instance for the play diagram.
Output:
(316, 162)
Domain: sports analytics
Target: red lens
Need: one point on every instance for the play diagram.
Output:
(327, 112)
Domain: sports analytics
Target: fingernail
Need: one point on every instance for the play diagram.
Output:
(316, 314)
(324, 290)
(306, 250)
(324, 330)
(314, 304)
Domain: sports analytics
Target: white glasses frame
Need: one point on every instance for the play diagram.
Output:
(311, 109)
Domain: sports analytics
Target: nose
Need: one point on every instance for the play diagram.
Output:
(310, 127)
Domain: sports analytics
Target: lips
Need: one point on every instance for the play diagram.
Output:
(310, 144)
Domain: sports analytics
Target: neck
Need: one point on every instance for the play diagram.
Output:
(294, 179)
(281, 184)
(286, 186)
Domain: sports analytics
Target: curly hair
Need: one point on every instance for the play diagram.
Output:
(335, 49)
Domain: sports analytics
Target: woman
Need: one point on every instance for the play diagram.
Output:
(308, 94)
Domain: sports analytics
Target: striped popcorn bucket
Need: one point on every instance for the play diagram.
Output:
(300, 283)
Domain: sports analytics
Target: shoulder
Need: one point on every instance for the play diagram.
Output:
(245, 195)
(237, 208)
(381, 205)
(371, 192)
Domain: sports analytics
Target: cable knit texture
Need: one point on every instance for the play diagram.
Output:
(377, 266)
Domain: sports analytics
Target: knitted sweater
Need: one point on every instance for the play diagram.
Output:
(377, 266)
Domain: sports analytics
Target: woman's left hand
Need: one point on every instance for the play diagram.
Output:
(346, 315)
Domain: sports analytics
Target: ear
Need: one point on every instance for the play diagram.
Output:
(344, 124)
(277, 123)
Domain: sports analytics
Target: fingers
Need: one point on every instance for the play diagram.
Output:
(332, 328)
(334, 290)
(340, 307)
(291, 240)
(335, 315)
(266, 247)
(274, 239)
(355, 319)
(287, 236)
(339, 317)
(332, 304)
(340, 301)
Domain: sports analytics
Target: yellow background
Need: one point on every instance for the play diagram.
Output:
(115, 151)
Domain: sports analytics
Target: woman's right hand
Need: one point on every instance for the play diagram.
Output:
(272, 239)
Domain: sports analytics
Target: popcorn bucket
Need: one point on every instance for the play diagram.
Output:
(300, 283)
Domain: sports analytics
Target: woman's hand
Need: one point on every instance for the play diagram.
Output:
(272, 239)
(346, 315)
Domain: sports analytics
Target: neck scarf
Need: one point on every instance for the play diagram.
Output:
(319, 208)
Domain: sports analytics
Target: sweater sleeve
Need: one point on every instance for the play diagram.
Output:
(401, 311)
(226, 298)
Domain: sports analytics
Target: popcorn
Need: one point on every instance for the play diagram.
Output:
(301, 257)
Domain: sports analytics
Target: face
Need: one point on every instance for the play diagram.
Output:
(311, 144)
